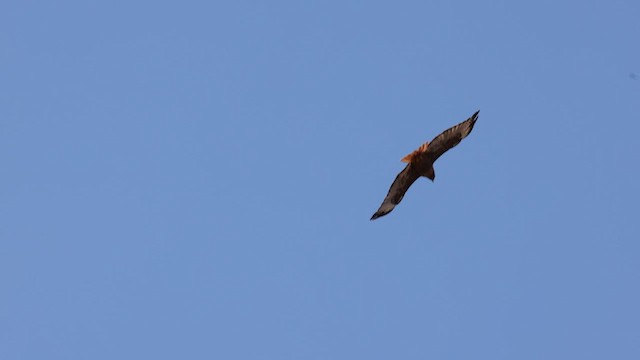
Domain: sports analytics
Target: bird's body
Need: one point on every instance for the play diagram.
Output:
(420, 163)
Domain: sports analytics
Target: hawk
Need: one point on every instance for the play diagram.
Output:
(420, 163)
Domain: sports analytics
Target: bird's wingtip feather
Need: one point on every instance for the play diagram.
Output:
(384, 210)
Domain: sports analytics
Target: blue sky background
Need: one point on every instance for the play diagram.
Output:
(194, 180)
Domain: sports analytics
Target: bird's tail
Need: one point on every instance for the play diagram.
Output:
(421, 149)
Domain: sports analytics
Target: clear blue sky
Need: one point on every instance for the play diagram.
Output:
(194, 180)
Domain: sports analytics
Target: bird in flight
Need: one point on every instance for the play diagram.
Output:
(420, 163)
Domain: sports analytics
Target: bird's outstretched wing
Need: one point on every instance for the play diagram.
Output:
(399, 187)
(450, 137)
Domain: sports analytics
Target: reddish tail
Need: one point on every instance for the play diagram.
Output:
(419, 150)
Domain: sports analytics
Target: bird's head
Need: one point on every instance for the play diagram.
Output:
(430, 174)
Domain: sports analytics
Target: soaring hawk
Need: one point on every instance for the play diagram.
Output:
(420, 163)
